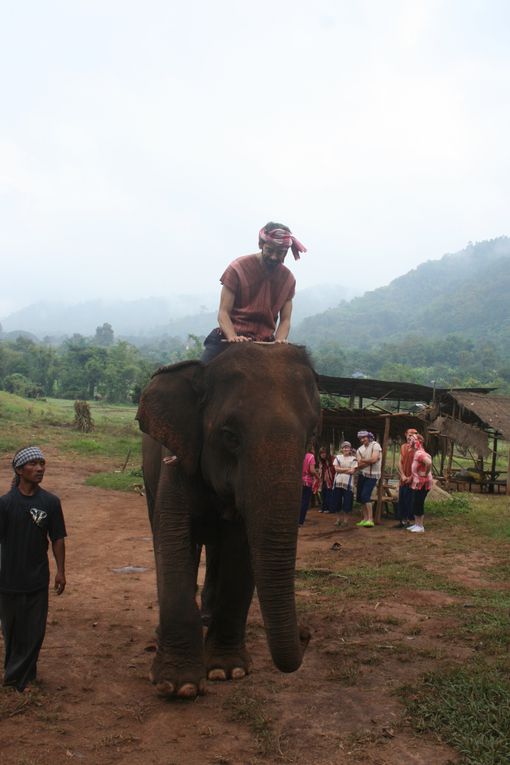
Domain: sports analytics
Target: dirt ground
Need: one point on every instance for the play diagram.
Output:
(95, 704)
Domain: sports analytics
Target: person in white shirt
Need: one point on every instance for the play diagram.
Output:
(369, 456)
(345, 465)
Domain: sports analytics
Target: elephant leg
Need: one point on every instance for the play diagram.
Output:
(230, 595)
(178, 668)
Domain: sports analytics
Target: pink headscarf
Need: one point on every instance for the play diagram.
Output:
(279, 237)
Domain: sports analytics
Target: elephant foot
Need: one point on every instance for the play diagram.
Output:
(227, 664)
(173, 683)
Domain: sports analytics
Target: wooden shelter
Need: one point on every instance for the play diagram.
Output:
(471, 418)
(467, 416)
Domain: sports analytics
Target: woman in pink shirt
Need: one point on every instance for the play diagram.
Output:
(308, 476)
(421, 481)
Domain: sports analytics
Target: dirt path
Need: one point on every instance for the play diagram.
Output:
(96, 705)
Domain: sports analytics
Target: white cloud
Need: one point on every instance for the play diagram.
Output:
(148, 145)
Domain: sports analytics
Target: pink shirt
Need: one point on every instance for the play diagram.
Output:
(308, 462)
(420, 470)
(259, 295)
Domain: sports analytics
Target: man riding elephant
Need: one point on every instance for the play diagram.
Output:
(257, 293)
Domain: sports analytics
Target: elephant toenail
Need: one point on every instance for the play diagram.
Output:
(238, 673)
(165, 688)
(187, 691)
(217, 674)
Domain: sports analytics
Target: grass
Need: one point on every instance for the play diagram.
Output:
(252, 712)
(376, 581)
(126, 481)
(490, 517)
(458, 505)
(50, 422)
(465, 701)
(469, 708)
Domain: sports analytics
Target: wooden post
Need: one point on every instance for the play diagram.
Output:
(449, 466)
(450, 456)
(493, 463)
(378, 507)
(508, 476)
(444, 444)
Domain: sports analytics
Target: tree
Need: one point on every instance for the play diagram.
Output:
(104, 335)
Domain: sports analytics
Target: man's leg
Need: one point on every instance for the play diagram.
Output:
(213, 346)
(24, 629)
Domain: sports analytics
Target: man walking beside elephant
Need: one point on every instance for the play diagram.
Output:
(29, 516)
(257, 293)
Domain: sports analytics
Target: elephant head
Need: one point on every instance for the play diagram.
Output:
(239, 426)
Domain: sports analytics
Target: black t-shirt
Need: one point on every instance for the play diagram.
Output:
(25, 525)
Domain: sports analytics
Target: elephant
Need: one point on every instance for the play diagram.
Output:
(238, 426)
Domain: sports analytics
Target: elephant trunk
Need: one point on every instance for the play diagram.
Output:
(272, 529)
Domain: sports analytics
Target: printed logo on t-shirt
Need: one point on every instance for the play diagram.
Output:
(39, 517)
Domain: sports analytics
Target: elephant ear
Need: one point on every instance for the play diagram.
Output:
(169, 411)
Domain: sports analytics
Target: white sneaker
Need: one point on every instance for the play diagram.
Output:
(417, 529)
(412, 528)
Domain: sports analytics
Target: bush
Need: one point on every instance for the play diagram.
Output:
(22, 386)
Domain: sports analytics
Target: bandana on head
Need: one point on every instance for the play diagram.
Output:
(26, 455)
(279, 237)
(345, 443)
(365, 434)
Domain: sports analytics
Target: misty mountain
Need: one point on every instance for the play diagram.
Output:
(464, 293)
(176, 316)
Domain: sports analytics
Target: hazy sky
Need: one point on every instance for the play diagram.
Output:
(143, 144)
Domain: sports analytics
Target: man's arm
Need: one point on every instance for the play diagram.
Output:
(59, 551)
(283, 330)
(227, 299)
(370, 460)
(374, 457)
(400, 466)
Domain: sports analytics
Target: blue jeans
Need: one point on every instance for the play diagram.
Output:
(327, 499)
(365, 488)
(342, 500)
(305, 503)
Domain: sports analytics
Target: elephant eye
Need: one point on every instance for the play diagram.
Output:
(230, 439)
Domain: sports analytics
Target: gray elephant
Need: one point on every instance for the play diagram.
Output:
(239, 426)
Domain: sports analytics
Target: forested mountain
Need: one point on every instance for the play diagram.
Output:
(446, 323)
(466, 294)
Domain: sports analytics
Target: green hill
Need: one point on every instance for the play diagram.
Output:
(465, 294)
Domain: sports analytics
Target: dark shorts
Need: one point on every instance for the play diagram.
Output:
(342, 500)
(420, 495)
(365, 488)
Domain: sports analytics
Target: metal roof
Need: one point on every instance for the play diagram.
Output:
(385, 390)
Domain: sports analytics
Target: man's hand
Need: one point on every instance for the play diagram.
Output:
(60, 583)
(240, 339)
